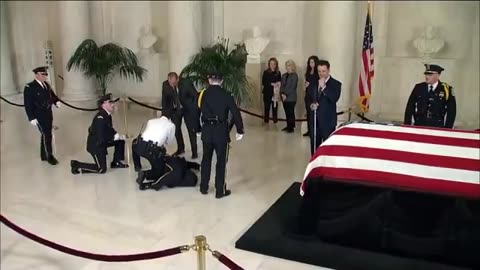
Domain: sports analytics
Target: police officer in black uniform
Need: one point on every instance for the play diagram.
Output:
(215, 104)
(102, 135)
(38, 99)
(431, 100)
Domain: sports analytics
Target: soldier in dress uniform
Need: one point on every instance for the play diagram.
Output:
(215, 104)
(38, 99)
(431, 101)
(102, 135)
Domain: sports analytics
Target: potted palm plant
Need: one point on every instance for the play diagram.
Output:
(219, 57)
(103, 62)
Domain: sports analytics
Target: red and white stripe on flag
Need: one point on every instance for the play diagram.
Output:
(367, 70)
(432, 160)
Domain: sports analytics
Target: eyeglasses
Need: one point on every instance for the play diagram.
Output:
(44, 74)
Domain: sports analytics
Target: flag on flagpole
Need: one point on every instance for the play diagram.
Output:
(366, 72)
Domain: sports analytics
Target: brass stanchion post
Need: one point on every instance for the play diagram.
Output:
(201, 246)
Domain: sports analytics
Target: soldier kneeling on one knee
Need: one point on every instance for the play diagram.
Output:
(102, 135)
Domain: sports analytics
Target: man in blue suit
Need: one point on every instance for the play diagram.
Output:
(323, 101)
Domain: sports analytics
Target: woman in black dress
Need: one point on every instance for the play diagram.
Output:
(311, 76)
(271, 76)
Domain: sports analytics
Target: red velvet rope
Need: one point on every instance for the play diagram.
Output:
(227, 262)
(92, 256)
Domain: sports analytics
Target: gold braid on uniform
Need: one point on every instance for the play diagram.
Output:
(447, 90)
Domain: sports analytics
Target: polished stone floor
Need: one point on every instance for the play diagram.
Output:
(108, 214)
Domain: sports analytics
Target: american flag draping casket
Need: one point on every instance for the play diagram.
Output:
(431, 160)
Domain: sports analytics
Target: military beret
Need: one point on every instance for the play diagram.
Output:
(433, 69)
(215, 75)
(40, 69)
(101, 100)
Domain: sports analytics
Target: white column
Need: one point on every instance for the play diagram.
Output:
(218, 20)
(184, 35)
(7, 85)
(336, 43)
(74, 29)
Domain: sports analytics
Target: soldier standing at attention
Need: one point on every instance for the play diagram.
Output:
(102, 135)
(430, 101)
(38, 99)
(215, 103)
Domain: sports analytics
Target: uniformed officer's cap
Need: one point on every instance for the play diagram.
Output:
(215, 75)
(433, 69)
(40, 69)
(101, 100)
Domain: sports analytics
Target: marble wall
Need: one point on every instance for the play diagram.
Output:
(297, 29)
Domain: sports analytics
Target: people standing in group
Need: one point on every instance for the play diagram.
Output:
(215, 104)
(271, 79)
(38, 99)
(323, 102)
(102, 135)
(288, 91)
(311, 77)
(432, 103)
(178, 100)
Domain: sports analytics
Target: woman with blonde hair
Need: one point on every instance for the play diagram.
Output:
(288, 90)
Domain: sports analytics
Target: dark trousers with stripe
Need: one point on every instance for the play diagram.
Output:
(100, 158)
(45, 128)
(221, 151)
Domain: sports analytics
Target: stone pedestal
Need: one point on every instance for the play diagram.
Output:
(6, 77)
(254, 75)
(74, 29)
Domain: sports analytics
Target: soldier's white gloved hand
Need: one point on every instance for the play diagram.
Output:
(116, 137)
(199, 134)
(238, 137)
(57, 104)
(34, 122)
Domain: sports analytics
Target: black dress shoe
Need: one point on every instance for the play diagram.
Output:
(285, 129)
(290, 130)
(221, 195)
(118, 164)
(73, 166)
(140, 177)
(306, 134)
(204, 191)
(52, 160)
(179, 152)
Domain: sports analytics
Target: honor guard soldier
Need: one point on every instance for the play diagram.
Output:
(38, 99)
(215, 103)
(102, 135)
(431, 101)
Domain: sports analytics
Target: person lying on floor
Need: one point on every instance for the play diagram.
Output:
(102, 135)
(178, 172)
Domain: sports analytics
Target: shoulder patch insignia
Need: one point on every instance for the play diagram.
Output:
(100, 117)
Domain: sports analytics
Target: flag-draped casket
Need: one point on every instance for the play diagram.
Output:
(403, 190)
(430, 160)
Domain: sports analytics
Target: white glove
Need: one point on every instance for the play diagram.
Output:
(238, 137)
(116, 137)
(199, 134)
(34, 122)
(57, 104)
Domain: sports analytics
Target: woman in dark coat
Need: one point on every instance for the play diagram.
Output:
(271, 76)
(311, 76)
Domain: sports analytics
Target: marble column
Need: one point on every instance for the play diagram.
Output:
(7, 84)
(336, 43)
(184, 33)
(74, 29)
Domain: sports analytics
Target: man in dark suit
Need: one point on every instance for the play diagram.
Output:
(178, 100)
(323, 103)
(102, 135)
(38, 99)
(431, 100)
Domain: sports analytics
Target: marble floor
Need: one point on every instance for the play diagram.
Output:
(108, 214)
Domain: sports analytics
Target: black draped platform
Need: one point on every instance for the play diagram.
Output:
(346, 226)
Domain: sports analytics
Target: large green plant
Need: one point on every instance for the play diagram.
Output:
(230, 62)
(104, 62)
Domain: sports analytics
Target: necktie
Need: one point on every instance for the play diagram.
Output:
(430, 88)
